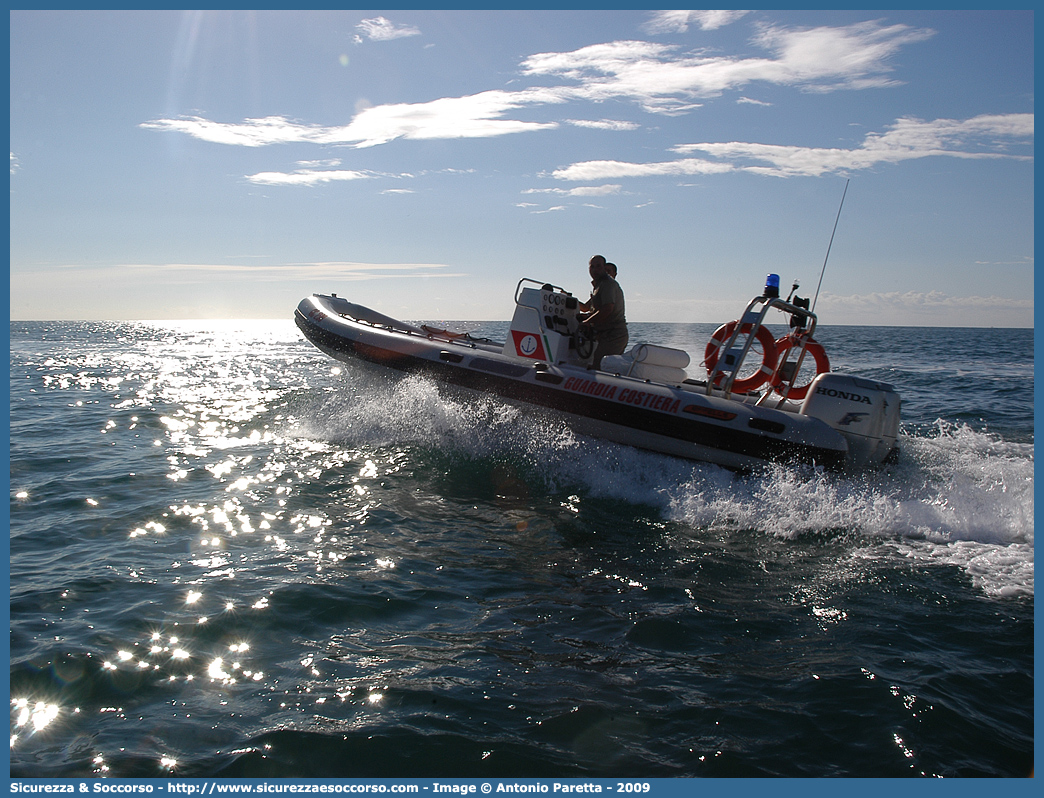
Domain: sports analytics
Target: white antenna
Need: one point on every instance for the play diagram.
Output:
(831, 243)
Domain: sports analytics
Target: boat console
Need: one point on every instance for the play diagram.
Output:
(545, 325)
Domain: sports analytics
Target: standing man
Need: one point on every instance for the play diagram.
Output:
(604, 312)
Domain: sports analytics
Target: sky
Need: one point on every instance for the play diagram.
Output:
(227, 164)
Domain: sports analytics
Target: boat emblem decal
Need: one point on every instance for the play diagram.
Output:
(528, 345)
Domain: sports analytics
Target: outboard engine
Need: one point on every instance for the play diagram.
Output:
(866, 412)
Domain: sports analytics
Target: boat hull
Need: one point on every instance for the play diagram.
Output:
(680, 420)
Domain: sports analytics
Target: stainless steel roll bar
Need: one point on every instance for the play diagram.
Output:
(732, 358)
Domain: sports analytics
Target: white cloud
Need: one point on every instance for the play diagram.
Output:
(580, 191)
(313, 176)
(660, 80)
(380, 29)
(175, 272)
(933, 308)
(472, 116)
(751, 101)
(854, 57)
(1025, 260)
(924, 309)
(654, 75)
(679, 21)
(14, 163)
(603, 124)
(351, 270)
(248, 133)
(308, 177)
(599, 170)
(987, 136)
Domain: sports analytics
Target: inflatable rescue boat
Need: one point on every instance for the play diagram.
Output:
(761, 399)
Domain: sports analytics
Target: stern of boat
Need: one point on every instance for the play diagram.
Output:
(864, 411)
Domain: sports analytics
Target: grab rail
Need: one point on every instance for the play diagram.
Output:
(544, 286)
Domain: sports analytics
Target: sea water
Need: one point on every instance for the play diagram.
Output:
(232, 556)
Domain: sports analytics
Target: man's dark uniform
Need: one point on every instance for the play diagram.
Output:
(611, 332)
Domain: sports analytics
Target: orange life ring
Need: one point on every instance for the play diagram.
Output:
(768, 357)
(812, 347)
